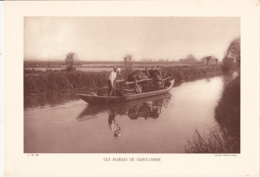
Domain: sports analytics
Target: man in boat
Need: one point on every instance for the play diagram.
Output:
(111, 79)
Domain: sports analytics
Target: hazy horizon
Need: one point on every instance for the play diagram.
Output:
(111, 38)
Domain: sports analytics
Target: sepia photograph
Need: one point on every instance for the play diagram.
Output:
(131, 85)
(136, 88)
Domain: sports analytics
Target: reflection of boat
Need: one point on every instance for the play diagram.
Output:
(153, 102)
(95, 99)
(146, 110)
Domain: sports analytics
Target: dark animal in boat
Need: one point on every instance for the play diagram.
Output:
(139, 75)
(154, 75)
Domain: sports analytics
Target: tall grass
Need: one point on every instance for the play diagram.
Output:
(190, 73)
(216, 141)
(63, 81)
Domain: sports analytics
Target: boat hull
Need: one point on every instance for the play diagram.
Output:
(101, 99)
(95, 99)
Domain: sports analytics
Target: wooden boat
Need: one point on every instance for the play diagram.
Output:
(90, 111)
(96, 99)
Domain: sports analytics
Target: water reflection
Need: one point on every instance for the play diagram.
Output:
(52, 98)
(147, 108)
(227, 78)
(113, 125)
(207, 79)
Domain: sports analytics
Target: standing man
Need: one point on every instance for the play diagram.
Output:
(111, 80)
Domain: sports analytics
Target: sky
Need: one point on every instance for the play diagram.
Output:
(111, 38)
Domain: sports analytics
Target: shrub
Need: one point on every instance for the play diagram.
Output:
(232, 56)
(128, 61)
(69, 60)
(227, 112)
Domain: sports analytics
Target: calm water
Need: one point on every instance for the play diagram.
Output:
(163, 124)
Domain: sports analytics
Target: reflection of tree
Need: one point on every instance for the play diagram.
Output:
(51, 99)
(227, 78)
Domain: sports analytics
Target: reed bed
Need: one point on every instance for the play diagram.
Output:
(216, 141)
(53, 80)
(50, 81)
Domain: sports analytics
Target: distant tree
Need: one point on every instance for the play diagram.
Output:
(128, 61)
(208, 58)
(232, 56)
(216, 61)
(69, 60)
(189, 59)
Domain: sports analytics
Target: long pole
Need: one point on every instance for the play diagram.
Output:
(110, 94)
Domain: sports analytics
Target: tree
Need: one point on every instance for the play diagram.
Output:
(208, 58)
(69, 60)
(232, 56)
(216, 61)
(128, 61)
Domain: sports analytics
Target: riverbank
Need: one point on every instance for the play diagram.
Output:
(226, 137)
(50, 81)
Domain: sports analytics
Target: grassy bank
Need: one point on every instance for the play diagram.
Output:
(216, 141)
(49, 81)
(191, 73)
(227, 112)
(226, 139)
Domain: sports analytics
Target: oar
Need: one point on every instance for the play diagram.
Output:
(108, 96)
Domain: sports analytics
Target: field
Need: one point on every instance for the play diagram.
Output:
(81, 65)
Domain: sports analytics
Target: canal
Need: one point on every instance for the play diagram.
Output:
(62, 123)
